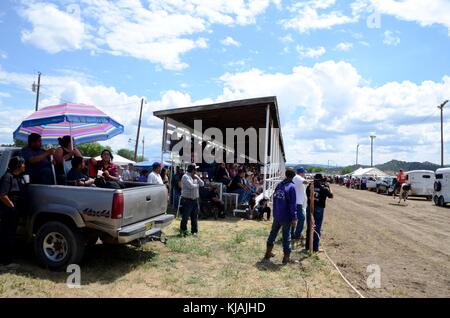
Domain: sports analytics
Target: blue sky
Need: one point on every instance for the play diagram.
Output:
(337, 77)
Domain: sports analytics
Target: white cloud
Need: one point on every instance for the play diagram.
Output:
(424, 12)
(391, 38)
(309, 15)
(229, 41)
(310, 52)
(328, 108)
(160, 32)
(53, 30)
(287, 39)
(344, 46)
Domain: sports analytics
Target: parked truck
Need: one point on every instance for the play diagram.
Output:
(62, 220)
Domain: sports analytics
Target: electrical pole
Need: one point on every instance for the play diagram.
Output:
(36, 89)
(357, 151)
(138, 131)
(441, 107)
(372, 137)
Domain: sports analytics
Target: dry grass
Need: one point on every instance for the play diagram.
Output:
(225, 260)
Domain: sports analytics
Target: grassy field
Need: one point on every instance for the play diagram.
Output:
(224, 260)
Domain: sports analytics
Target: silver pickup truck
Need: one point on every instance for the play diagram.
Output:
(63, 220)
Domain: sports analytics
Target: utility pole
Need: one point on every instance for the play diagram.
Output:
(372, 137)
(441, 107)
(36, 89)
(357, 152)
(138, 131)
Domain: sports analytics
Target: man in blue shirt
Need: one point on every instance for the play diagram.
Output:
(37, 160)
(284, 215)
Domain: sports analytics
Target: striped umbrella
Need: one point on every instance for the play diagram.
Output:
(84, 123)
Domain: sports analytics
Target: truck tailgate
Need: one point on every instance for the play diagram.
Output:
(144, 202)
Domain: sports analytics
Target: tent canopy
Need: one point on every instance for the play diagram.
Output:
(368, 172)
(119, 160)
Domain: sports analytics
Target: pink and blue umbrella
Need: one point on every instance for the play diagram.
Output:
(84, 123)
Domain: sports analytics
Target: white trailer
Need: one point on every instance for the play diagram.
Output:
(441, 193)
(422, 183)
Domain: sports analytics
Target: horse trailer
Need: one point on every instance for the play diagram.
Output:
(421, 182)
(442, 187)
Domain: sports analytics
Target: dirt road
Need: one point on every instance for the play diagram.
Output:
(410, 243)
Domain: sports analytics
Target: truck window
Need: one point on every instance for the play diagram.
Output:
(439, 176)
(426, 176)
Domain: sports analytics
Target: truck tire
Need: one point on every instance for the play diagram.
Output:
(436, 200)
(57, 245)
(437, 186)
(441, 201)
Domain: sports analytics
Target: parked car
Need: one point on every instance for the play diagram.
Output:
(371, 184)
(441, 194)
(62, 220)
(384, 185)
(422, 183)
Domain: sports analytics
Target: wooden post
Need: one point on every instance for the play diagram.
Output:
(311, 218)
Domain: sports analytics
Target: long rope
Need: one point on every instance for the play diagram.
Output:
(339, 271)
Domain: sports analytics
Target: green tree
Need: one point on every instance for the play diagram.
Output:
(92, 149)
(346, 170)
(129, 154)
(315, 169)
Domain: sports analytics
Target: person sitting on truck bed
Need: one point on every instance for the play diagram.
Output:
(76, 176)
(12, 192)
(109, 176)
(37, 160)
(64, 155)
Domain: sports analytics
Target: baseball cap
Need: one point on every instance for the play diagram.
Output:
(155, 165)
(192, 167)
(318, 176)
(300, 170)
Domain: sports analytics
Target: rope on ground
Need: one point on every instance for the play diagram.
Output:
(340, 273)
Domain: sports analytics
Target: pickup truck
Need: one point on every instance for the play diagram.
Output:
(62, 221)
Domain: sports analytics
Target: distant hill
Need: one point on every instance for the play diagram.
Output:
(390, 167)
(395, 165)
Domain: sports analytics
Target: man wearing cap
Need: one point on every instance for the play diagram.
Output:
(322, 191)
(284, 215)
(155, 177)
(190, 184)
(300, 192)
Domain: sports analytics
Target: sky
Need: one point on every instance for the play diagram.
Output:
(341, 69)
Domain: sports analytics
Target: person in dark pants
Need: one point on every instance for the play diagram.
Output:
(12, 191)
(260, 209)
(191, 183)
(284, 215)
(322, 191)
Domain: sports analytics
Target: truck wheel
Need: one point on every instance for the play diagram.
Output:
(436, 200)
(57, 245)
(441, 201)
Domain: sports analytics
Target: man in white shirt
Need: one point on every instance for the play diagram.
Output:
(190, 184)
(300, 193)
(154, 177)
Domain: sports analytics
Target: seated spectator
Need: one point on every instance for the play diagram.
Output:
(238, 186)
(106, 172)
(260, 209)
(76, 176)
(214, 197)
(37, 160)
(64, 155)
(221, 175)
(143, 176)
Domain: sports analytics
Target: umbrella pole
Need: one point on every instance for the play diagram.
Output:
(53, 169)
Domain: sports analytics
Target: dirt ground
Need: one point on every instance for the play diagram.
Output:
(410, 242)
